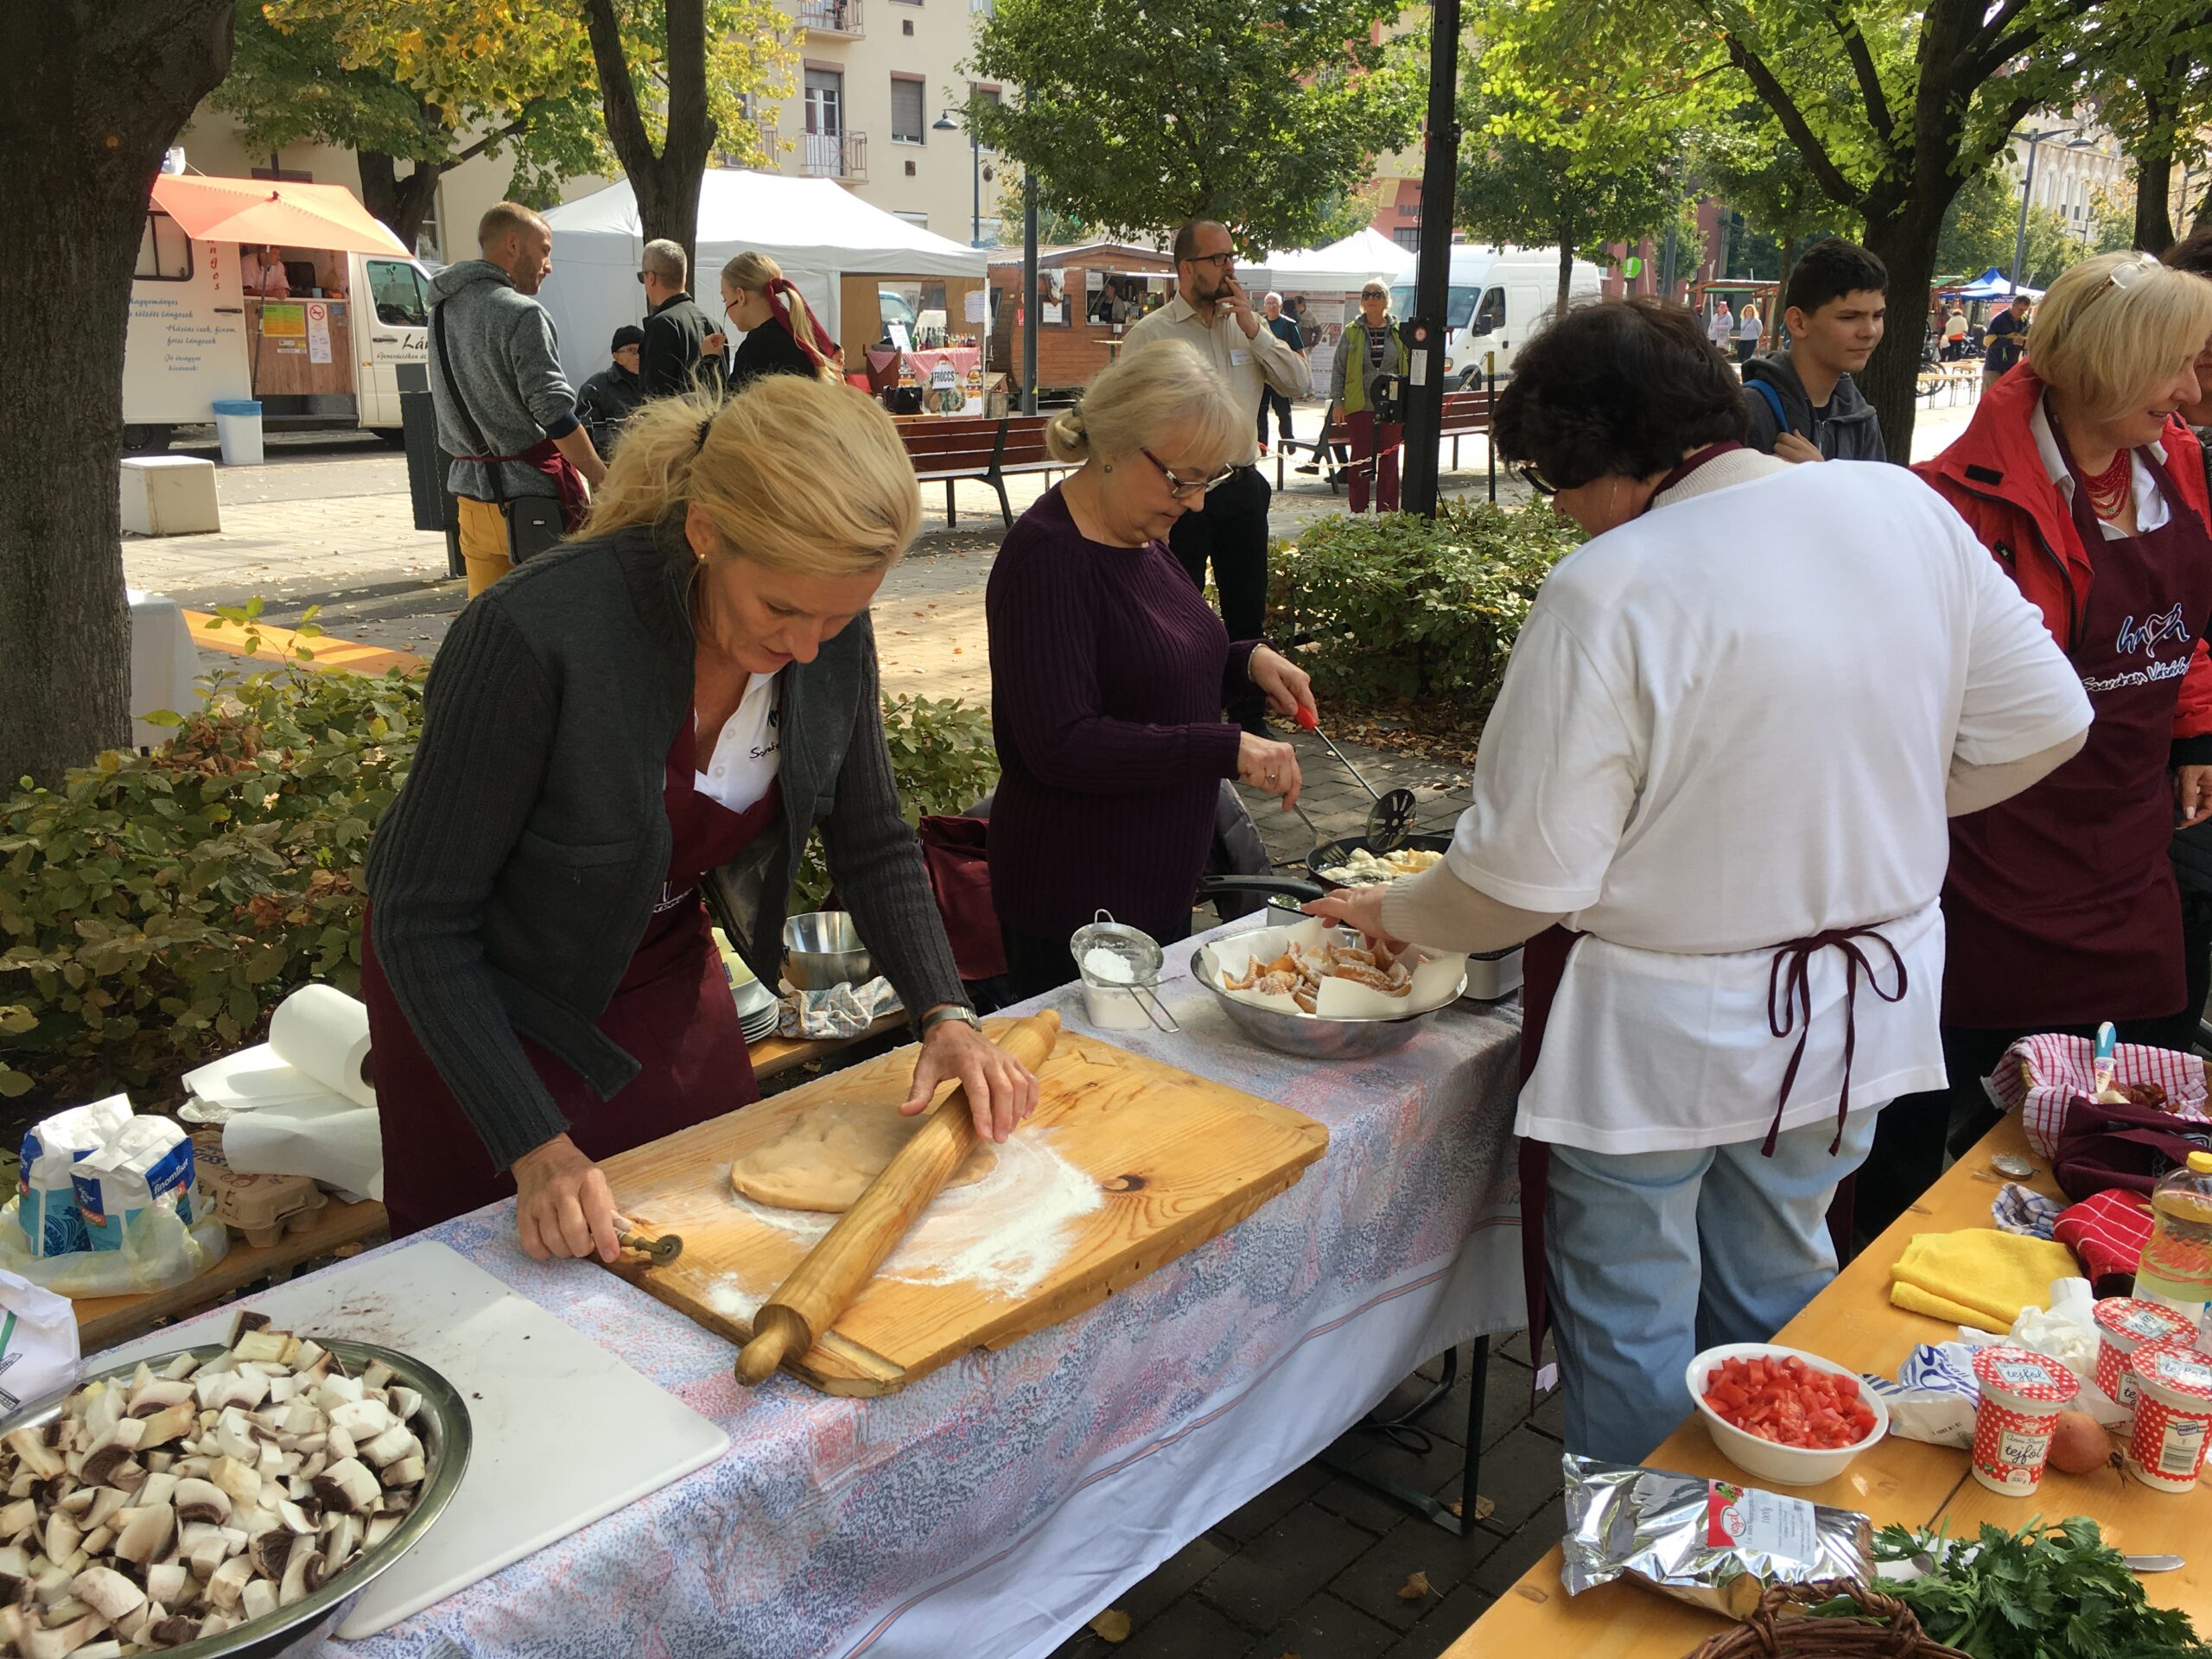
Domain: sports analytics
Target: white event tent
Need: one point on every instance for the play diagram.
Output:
(1343, 267)
(816, 229)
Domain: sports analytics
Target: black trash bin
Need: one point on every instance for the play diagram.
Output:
(427, 465)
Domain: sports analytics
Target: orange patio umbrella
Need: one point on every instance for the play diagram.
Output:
(271, 212)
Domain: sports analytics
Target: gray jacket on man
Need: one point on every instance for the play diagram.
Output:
(1847, 430)
(508, 364)
(513, 877)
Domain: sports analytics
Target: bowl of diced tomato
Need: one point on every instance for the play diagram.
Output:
(1784, 1415)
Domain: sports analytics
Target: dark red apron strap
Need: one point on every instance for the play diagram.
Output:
(1543, 961)
(1790, 999)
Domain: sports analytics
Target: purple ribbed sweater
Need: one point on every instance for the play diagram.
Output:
(1108, 677)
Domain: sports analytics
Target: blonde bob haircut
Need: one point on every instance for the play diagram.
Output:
(1134, 404)
(2113, 329)
(803, 476)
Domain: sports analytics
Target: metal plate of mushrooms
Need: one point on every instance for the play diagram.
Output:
(223, 1500)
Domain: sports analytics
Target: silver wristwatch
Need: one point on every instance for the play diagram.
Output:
(959, 1010)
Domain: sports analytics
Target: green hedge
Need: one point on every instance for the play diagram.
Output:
(1394, 610)
(157, 906)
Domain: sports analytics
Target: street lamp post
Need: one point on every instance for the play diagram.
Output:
(2028, 187)
(944, 123)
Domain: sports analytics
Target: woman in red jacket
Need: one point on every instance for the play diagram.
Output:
(2060, 906)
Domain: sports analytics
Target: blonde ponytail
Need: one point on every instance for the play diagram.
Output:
(807, 477)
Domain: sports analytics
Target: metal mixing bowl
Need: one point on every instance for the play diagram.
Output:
(1309, 1035)
(443, 1427)
(822, 949)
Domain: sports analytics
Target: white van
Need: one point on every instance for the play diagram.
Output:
(327, 356)
(1498, 299)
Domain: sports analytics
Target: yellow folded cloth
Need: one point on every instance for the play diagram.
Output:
(1979, 1276)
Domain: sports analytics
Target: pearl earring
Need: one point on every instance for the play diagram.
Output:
(1105, 466)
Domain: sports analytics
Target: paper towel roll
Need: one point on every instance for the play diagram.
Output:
(322, 1032)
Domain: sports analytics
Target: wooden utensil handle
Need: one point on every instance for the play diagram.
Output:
(823, 1285)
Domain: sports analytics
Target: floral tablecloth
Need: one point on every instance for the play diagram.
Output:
(998, 1503)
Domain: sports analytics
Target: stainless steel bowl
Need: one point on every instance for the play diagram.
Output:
(1309, 1035)
(822, 949)
(443, 1427)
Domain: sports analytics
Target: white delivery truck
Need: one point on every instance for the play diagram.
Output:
(326, 353)
(1497, 301)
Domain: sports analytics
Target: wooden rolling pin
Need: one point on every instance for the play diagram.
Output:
(823, 1285)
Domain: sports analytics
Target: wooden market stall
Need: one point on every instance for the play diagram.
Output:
(1086, 298)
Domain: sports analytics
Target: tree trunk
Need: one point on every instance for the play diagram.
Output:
(666, 184)
(102, 89)
(2154, 169)
(1905, 244)
(402, 204)
(1781, 335)
(1566, 266)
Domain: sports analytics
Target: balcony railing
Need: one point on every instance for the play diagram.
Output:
(840, 18)
(837, 155)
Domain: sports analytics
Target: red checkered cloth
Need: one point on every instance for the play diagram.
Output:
(2038, 1075)
(2108, 1232)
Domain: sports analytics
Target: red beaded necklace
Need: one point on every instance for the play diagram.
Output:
(2110, 490)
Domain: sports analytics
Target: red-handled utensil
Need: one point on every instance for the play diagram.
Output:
(1391, 820)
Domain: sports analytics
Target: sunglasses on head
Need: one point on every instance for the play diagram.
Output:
(2124, 275)
(1179, 487)
(1535, 480)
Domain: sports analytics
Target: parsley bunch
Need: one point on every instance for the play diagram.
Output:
(2043, 1592)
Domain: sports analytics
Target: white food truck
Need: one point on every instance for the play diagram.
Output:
(204, 323)
(1499, 297)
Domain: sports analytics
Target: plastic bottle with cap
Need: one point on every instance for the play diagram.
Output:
(2177, 1266)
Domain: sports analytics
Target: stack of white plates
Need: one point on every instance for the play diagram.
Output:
(756, 1010)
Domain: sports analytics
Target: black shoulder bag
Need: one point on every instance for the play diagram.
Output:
(534, 522)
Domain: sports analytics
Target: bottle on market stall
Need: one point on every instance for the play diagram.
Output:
(2177, 1266)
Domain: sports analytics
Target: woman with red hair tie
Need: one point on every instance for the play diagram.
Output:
(781, 336)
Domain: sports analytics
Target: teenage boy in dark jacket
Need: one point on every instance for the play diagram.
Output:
(1803, 404)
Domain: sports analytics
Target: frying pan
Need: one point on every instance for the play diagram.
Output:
(1327, 856)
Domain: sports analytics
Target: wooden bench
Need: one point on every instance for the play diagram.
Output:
(946, 448)
(1465, 415)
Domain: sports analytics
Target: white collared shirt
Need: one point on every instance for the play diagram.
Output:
(745, 758)
(1245, 365)
(2149, 500)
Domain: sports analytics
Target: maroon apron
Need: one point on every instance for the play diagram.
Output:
(672, 1013)
(2060, 906)
(545, 456)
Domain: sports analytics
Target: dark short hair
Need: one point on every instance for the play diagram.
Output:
(628, 334)
(2193, 253)
(1623, 387)
(1186, 239)
(1831, 268)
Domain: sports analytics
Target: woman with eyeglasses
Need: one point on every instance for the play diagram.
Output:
(781, 336)
(2081, 477)
(1109, 673)
(1712, 796)
(1371, 362)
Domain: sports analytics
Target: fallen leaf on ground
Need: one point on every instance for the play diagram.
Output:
(1113, 1625)
(1414, 1588)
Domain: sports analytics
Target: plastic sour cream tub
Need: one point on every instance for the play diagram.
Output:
(2173, 1410)
(2022, 1394)
(2124, 1324)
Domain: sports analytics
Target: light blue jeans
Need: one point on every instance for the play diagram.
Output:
(1654, 1256)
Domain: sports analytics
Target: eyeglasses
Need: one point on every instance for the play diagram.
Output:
(641, 276)
(1535, 480)
(1179, 487)
(1218, 261)
(2123, 275)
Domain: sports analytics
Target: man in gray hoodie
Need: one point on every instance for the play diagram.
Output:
(1803, 404)
(505, 409)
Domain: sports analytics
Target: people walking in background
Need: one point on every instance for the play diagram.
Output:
(1286, 330)
(1371, 362)
(1213, 313)
(781, 336)
(674, 360)
(1804, 404)
(1720, 326)
(2060, 909)
(505, 411)
(2004, 341)
(609, 397)
(1750, 329)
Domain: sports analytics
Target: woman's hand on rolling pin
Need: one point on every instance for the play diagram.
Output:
(1359, 907)
(1001, 1092)
(1288, 686)
(2193, 792)
(1265, 764)
(564, 1205)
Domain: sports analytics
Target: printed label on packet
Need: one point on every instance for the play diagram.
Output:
(2181, 1446)
(2022, 1452)
(1766, 1523)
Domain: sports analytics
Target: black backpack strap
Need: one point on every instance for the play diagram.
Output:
(467, 419)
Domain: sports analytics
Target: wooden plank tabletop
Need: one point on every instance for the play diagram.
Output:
(773, 1054)
(103, 1321)
(1853, 1323)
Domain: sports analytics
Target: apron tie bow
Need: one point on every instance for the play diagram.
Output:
(1789, 997)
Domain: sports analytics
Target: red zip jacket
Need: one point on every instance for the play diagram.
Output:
(1995, 476)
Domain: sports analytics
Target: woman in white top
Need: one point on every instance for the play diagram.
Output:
(1721, 325)
(1714, 794)
(1749, 328)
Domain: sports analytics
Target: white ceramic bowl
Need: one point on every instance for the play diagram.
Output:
(1781, 1465)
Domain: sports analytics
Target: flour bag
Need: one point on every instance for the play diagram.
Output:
(147, 1160)
(52, 1148)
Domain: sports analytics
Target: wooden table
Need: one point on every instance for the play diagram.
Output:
(1853, 1323)
(103, 1321)
(773, 1054)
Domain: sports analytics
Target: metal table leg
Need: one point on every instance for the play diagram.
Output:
(1402, 1430)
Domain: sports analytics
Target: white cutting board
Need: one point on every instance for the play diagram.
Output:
(538, 1392)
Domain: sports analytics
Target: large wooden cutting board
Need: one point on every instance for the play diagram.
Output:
(1175, 1159)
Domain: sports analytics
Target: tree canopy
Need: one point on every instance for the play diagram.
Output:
(1136, 115)
(1983, 222)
